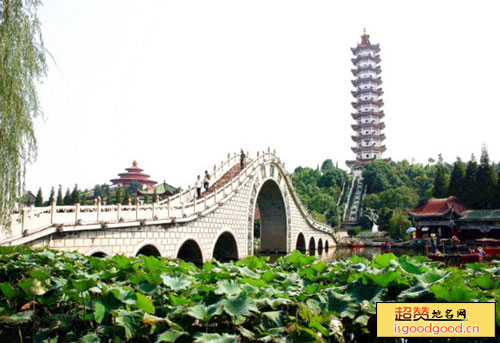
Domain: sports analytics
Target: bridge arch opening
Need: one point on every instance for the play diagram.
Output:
(225, 248)
(190, 252)
(149, 250)
(320, 246)
(327, 245)
(272, 216)
(98, 252)
(312, 245)
(301, 243)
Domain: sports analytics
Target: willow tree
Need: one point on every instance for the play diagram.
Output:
(22, 65)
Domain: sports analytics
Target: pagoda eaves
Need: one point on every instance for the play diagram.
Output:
(368, 127)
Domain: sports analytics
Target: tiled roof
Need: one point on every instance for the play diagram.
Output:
(161, 189)
(439, 207)
(481, 215)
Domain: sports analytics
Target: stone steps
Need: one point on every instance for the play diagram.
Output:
(221, 182)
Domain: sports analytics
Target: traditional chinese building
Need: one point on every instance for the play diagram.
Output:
(437, 216)
(477, 224)
(163, 190)
(134, 173)
(367, 105)
(448, 216)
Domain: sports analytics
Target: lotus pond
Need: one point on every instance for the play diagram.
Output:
(49, 296)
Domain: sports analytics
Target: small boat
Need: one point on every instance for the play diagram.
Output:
(471, 257)
(385, 246)
(355, 245)
(490, 246)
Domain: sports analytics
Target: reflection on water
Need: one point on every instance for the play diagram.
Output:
(336, 254)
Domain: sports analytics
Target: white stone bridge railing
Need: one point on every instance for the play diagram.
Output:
(35, 222)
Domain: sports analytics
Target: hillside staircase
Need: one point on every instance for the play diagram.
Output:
(352, 211)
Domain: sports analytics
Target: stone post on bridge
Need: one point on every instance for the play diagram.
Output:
(98, 208)
(137, 209)
(77, 212)
(52, 209)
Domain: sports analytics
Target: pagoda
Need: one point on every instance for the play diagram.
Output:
(368, 114)
(134, 173)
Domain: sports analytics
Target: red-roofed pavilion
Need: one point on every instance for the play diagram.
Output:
(438, 216)
(134, 173)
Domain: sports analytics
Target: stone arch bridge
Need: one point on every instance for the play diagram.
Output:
(219, 224)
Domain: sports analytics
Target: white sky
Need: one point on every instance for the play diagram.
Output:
(176, 85)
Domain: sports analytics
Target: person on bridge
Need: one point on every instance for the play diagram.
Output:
(198, 186)
(242, 159)
(206, 181)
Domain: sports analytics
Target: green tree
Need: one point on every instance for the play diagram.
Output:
(321, 203)
(39, 198)
(75, 195)
(440, 187)
(98, 191)
(67, 198)
(457, 179)
(327, 166)
(22, 65)
(118, 196)
(496, 198)
(486, 182)
(126, 197)
(59, 200)
(146, 199)
(398, 224)
(51, 196)
(134, 186)
(155, 196)
(469, 194)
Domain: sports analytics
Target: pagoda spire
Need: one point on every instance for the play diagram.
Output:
(368, 104)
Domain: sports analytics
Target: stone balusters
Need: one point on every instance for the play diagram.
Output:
(77, 212)
(98, 207)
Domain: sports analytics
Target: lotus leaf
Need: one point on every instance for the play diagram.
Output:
(177, 282)
(454, 293)
(215, 338)
(432, 276)
(130, 320)
(18, 318)
(90, 338)
(203, 312)
(369, 292)
(383, 279)
(485, 282)
(7, 290)
(341, 304)
(228, 287)
(384, 260)
(169, 336)
(143, 303)
(241, 305)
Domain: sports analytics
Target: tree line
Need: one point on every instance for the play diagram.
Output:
(394, 186)
(121, 195)
(321, 189)
(475, 184)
